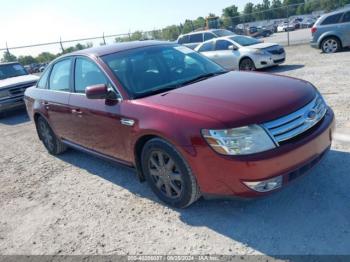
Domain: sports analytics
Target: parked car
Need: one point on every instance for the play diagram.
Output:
(14, 80)
(307, 23)
(331, 32)
(189, 127)
(259, 32)
(192, 40)
(242, 53)
(285, 27)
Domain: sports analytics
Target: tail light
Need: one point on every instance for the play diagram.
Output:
(313, 30)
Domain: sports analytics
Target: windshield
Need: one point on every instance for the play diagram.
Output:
(11, 70)
(222, 32)
(156, 69)
(245, 40)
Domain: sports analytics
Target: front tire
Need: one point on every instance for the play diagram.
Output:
(51, 142)
(168, 174)
(247, 65)
(330, 45)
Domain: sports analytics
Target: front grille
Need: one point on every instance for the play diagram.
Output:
(19, 89)
(279, 60)
(275, 50)
(292, 125)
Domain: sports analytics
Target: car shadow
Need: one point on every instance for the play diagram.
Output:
(14, 117)
(310, 216)
(281, 68)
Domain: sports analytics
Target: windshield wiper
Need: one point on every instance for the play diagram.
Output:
(175, 86)
(201, 78)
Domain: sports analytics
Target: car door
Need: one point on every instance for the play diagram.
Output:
(96, 122)
(344, 28)
(207, 49)
(226, 56)
(55, 98)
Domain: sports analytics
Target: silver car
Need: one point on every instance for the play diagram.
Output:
(242, 52)
(331, 32)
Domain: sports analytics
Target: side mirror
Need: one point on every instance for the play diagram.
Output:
(96, 92)
(232, 47)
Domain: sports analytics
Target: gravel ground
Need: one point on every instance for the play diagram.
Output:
(78, 204)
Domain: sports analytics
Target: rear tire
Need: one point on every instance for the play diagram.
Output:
(330, 45)
(168, 174)
(53, 145)
(247, 64)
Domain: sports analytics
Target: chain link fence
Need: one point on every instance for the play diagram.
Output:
(286, 25)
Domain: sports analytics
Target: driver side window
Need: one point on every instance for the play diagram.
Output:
(87, 73)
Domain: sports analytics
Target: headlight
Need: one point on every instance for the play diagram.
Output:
(4, 94)
(239, 141)
(260, 52)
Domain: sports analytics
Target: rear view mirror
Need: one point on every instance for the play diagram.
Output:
(96, 92)
(233, 47)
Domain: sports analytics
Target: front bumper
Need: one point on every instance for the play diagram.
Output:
(263, 61)
(224, 175)
(11, 103)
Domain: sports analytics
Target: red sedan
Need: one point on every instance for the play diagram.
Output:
(189, 127)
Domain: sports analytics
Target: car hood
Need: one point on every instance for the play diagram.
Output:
(261, 45)
(13, 81)
(239, 98)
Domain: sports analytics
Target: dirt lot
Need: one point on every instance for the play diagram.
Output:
(78, 204)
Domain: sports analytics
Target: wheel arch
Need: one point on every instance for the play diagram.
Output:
(245, 57)
(328, 35)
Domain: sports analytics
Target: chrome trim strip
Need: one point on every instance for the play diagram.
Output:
(298, 122)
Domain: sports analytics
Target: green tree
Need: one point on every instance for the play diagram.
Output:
(247, 11)
(230, 16)
(199, 23)
(45, 57)
(171, 32)
(27, 60)
(8, 57)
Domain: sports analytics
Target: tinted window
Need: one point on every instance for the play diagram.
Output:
(245, 40)
(150, 70)
(333, 19)
(222, 45)
(60, 76)
(207, 47)
(222, 32)
(208, 36)
(87, 73)
(346, 17)
(11, 70)
(43, 80)
(184, 39)
(196, 38)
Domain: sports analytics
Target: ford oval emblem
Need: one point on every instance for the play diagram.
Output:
(311, 115)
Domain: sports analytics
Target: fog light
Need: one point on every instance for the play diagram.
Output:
(266, 185)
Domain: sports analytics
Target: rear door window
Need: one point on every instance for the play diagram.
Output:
(184, 39)
(333, 19)
(60, 76)
(42, 83)
(208, 36)
(346, 17)
(196, 38)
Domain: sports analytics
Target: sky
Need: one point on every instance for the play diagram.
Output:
(25, 22)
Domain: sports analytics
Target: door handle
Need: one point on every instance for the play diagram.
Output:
(46, 105)
(77, 112)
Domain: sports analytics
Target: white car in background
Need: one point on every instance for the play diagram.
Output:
(240, 52)
(284, 27)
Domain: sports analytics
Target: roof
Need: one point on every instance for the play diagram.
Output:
(201, 32)
(9, 63)
(117, 47)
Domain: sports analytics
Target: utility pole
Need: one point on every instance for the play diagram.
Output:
(61, 45)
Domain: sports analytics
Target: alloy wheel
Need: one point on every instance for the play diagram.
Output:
(247, 65)
(46, 135)
(165, 174)
(330, 46)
